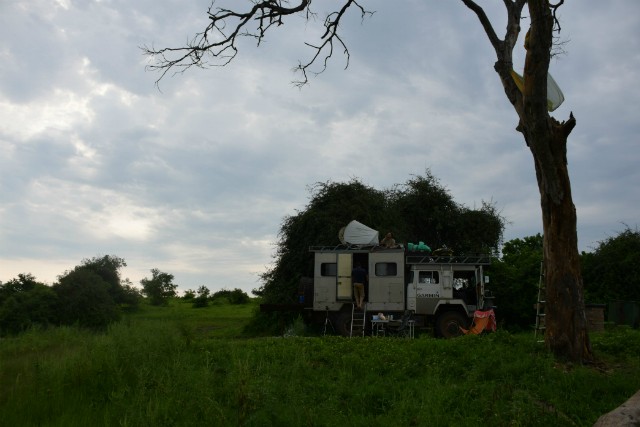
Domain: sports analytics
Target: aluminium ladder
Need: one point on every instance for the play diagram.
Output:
(540, 312)
(358, 320)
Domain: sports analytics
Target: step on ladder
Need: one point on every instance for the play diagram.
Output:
(358, 320)
(540, 312)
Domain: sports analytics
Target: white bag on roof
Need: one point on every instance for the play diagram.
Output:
(356, 233)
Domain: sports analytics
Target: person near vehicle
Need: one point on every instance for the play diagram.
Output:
(388, 241)
(359, 277)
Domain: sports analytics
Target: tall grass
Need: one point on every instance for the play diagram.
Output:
(187, 367)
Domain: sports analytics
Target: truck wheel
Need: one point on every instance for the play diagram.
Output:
(449, 324)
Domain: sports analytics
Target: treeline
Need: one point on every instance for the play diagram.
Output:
(611, 272)
(92, 295)
(202, 297)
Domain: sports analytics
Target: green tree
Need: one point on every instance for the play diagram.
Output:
(25, 303)
(159, 288)
(202, 300)
(23, 283)
(612, 270)
(84, 298)
(516, 277)
(130, 296)
(423, 210)
(108, 267)
(566, 325)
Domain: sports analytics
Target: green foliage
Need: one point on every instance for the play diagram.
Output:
(202, 300)
(159, 288)
(423, 210)
(130, 296)
(84, 298)
(612, 271)
(108, 267)
(189, 295)
(419, 210)
(514, 281)
(236, 296)
(26, 303)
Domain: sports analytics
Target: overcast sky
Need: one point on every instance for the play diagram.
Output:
(195, 178)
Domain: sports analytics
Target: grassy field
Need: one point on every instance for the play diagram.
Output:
(179, 366)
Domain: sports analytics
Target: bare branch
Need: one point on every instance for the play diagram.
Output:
(554, 8)
(486, 24)
(217, 44)
(330, 35)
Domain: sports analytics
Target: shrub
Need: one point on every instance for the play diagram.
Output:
(202, 300)
(84, 299)
(26, 303)
(189, 295)
(159, 288)
(236, 296)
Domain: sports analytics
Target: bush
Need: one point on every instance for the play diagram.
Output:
(202, 300)
(236, 296)
(25, 303)
(159, 288)
(84, 299)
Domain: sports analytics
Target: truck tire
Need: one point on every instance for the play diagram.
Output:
(449, 323)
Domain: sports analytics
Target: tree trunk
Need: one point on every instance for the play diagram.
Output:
(566, 324)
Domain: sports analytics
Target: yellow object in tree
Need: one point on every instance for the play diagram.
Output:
(555, 97)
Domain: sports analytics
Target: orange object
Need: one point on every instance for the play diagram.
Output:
(482, 320)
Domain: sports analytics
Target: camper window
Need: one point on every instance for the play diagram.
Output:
(328, 269)
(386, 269)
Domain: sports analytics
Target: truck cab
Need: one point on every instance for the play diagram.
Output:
(447, 290)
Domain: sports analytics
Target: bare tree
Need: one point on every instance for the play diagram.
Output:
(566, 326)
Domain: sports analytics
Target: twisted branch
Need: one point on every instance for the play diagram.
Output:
(217, 44)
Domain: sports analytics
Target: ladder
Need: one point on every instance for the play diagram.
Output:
(540, 313)
(358, 320)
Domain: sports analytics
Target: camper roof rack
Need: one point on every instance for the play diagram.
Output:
(349, 247)
(475, 259)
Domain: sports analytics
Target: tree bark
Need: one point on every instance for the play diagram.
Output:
(566, 332)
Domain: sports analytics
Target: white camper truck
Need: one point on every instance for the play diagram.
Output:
(443, 291)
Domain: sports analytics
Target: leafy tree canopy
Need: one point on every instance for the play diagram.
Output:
(159, 288)
(612, 270)
(25, 303)
(84, 298)
(108, 267)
